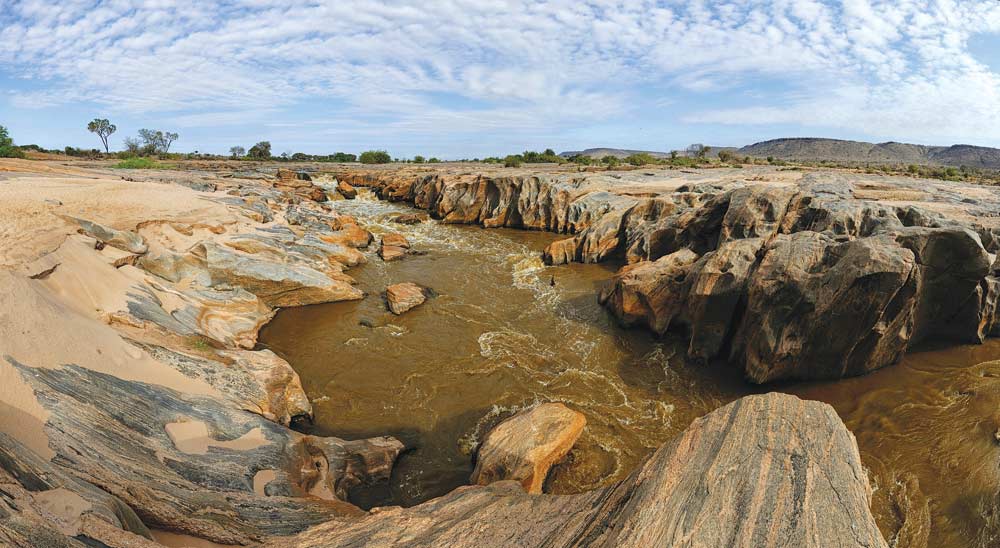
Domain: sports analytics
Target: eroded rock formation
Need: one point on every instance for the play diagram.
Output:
(133, 398)
(767, 470)
(824, 277)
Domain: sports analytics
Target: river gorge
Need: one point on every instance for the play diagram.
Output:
(504, 331)
(645, 301)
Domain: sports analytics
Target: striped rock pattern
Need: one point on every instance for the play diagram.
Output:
(768, 470)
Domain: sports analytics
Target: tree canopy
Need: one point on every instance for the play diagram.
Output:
(103, 128)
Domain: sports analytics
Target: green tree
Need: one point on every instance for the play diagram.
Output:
(610, 160)
(418, 159)
(260, 151)
(5, 140)
(433, 160)
(513, 161)
(375, 157)
(237, 152)
(7, 148)
(344, 157)
(103, 128)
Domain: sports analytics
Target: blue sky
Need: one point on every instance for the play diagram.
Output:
(466, 78)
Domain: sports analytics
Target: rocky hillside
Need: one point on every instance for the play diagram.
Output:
(835, 150)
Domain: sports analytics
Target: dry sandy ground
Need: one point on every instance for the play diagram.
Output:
(30, 206)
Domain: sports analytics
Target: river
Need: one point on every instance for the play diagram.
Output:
(503, 331)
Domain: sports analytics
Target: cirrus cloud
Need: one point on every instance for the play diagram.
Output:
(897, 69)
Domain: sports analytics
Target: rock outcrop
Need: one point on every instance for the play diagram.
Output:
(525, 446)
(768, 470)
(410, 218)
(132, 396)
(404, 297)
(300, 185)
(120, 239)
(876, 262)
(346, 190)
(393, 246)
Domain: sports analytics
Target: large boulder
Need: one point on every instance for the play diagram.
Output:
(393, 246)
(525, 446)
(769, 471)
(346, 190)
(650, 293)
(821, 310)
(404, 297)
(350, 234)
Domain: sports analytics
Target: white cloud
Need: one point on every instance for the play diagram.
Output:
(896, 69)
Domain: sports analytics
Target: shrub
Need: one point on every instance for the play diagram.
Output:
(11, 152)
(433, 161)
(611, 161)
(726, 156)
(640, 159)
(531, 157)
(512, 161)
(418, 159)
(138, 163)
(375, 157)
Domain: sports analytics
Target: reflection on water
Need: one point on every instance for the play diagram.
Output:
(500, 335)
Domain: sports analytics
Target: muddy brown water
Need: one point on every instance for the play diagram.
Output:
(498, 335)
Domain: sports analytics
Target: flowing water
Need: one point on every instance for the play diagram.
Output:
(503, 332)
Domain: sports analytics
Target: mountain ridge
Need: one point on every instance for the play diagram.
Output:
(840, 150)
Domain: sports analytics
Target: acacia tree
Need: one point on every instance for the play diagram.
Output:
(103, 128)
(698, 150)
(168, 139)
(237, 152)
(156, 141)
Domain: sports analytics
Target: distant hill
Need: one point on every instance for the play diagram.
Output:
(598, 153)
(835, 150)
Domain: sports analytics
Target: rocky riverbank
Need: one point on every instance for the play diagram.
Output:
(135, 402)
(788, 275)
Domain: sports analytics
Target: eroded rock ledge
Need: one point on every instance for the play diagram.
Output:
(820, 276)
(767, 470)
(133, 396)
